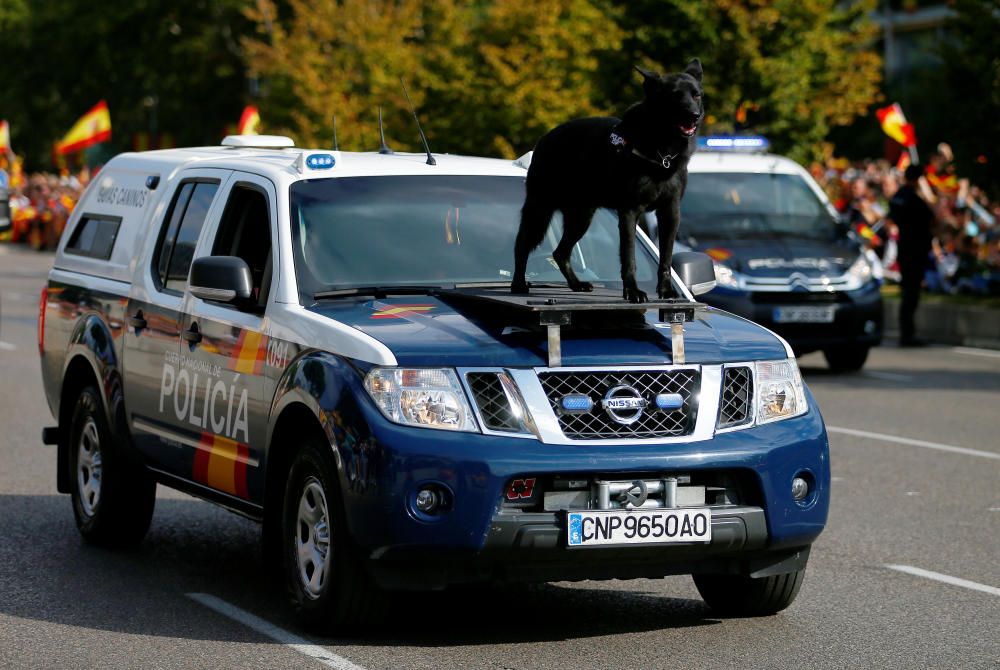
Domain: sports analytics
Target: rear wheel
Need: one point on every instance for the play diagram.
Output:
(327, 583)
(112, 499)
(846, 359)
(741, 595)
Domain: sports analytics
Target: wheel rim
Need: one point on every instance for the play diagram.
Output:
(88, 467)
(312, 538)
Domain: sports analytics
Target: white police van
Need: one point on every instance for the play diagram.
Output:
(326, 343)
(782, 257)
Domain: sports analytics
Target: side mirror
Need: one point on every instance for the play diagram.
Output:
(221, 278)
(695, 269)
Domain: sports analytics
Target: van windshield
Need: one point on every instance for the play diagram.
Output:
(734, 205)
(434, 231)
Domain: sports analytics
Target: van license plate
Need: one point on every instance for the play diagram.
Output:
(805, 314)
(594, 528)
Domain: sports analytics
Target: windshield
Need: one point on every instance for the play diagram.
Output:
(734, 205)
(434, 231)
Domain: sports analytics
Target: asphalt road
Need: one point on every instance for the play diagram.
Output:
(915, 442)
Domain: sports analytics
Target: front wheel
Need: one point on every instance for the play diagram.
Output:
(846, 359)
(744, 596)
(112, 499)
(328, 586)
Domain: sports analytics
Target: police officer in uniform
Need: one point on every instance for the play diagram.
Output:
(915, 219)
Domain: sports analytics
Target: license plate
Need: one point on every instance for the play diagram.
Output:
(595, 528)
(806, 314)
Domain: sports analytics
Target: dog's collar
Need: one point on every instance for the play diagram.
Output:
(619, 142)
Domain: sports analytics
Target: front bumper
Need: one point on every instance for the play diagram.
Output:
(858, 319)
(480, 539)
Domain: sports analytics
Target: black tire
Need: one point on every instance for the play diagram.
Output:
(743, 596)
(329, 589)
(846, 359)
(113, 499)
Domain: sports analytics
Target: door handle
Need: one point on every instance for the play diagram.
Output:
(137, 321)
(192, 334)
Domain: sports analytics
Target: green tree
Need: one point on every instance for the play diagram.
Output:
(488, 77)
(971, 95)
(802, 66)
(161, 65)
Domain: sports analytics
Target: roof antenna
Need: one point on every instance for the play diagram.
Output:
(384, 149)
(423, 138)
(336, 147)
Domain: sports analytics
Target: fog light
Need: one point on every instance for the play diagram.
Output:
(427, 501)
(870, 327)
(800, 489)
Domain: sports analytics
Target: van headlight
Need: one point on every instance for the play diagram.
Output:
(426, 397)
(861, 270)
(724, 276)
(780, 392)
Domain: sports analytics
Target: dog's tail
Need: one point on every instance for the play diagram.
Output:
(535, 218)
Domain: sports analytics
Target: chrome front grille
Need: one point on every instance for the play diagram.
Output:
(493, 404)
(597, 422)
(736, 408)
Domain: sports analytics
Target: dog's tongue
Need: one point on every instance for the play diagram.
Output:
(689, 130)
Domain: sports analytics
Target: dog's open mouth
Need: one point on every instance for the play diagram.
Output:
(688, 127)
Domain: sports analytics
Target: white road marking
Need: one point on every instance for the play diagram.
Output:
(890, 376)
(947, 579)
(913, 443)
(301, 645)
(7, 346)
(989, 353)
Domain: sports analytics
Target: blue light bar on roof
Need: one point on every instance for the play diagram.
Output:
(733, 143)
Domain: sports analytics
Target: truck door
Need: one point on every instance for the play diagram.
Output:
(157, 399)
(228, 345)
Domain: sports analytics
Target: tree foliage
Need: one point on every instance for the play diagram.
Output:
(800, 66)
(972, 73)
(177, 66)
(488, 77)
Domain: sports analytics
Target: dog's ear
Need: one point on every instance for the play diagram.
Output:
(694, 69)
(650, 80)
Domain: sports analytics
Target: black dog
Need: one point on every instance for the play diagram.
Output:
(631, 165)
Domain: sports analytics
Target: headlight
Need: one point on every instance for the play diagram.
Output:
(431, 398)
(724, 276)
(780, 392)
(861, 270)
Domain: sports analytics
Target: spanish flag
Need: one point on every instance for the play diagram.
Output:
(222, 464)
(4, 137)
(895, 126)
(93, 127)
(249, 121)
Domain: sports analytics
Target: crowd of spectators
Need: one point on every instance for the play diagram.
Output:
(40, 203)
(965, 254)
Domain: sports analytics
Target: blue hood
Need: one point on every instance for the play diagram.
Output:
(425, 330)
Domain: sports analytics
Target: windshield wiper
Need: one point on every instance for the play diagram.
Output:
(379, 291)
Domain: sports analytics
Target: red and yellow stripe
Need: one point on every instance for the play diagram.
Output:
(222, 464)
(250, 353)
(400, 311)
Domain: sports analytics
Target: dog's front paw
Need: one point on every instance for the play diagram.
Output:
(666, 291)
(633, 294)
(519, 287)
(582, 287)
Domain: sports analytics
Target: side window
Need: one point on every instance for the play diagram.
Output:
(184, 222)
(94, 237)
(245, 231)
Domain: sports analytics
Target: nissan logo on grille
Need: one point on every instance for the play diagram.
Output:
(623, 404)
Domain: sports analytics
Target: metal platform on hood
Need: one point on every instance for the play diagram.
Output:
(555, 306)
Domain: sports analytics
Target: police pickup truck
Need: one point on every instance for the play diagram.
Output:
(326, 343)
